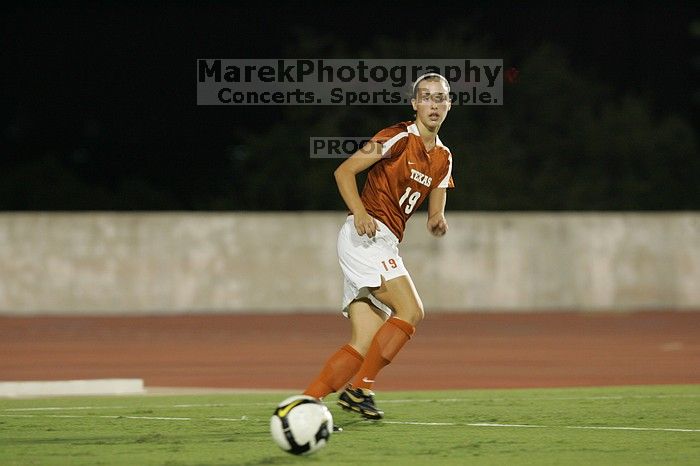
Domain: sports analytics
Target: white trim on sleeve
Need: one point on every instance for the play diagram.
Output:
(445, 183)
(386, 147)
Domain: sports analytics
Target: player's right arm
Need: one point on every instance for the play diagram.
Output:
(346, 178)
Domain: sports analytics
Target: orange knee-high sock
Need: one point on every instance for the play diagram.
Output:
(338, 370)
(386, 343)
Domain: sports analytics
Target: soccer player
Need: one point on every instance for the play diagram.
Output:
(407, 163)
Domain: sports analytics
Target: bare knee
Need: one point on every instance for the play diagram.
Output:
(411, 314)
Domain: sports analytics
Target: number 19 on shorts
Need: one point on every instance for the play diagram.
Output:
(389, 264)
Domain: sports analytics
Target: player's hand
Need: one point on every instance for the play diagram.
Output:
(437, 225)
(365, 224)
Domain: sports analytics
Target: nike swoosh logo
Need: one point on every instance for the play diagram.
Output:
(366, 380)
(355, 399)
(411, 163)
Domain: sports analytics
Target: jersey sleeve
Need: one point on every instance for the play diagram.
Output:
(447, 181)
(393, 140)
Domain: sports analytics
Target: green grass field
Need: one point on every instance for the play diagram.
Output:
(658, 425)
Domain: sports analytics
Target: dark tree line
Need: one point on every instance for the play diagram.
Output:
(563, 140)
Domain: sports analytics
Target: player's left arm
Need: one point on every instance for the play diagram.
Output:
(437, 225)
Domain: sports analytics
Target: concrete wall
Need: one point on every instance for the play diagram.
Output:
(220, 262)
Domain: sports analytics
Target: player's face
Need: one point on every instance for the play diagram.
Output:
(432, 102)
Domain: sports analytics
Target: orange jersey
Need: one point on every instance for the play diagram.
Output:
(399, 183)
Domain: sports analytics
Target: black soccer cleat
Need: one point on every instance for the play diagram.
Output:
(337, 429)
(360, 401)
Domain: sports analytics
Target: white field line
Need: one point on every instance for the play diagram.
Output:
(632, 428)
(559, 398)
(530, 426)
(410, 423)
(66, 408)
(388, 401)
(158, 418)
(491, 424)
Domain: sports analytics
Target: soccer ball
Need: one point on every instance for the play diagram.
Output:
(301, 425)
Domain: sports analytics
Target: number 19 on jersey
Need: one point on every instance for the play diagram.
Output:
(412, 198)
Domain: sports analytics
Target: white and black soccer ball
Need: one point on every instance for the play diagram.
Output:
(301, 425)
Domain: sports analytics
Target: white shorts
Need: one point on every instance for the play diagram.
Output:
(365, 261)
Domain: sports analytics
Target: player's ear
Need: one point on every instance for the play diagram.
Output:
(414, 105)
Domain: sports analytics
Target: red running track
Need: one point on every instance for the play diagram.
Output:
(451, 350)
